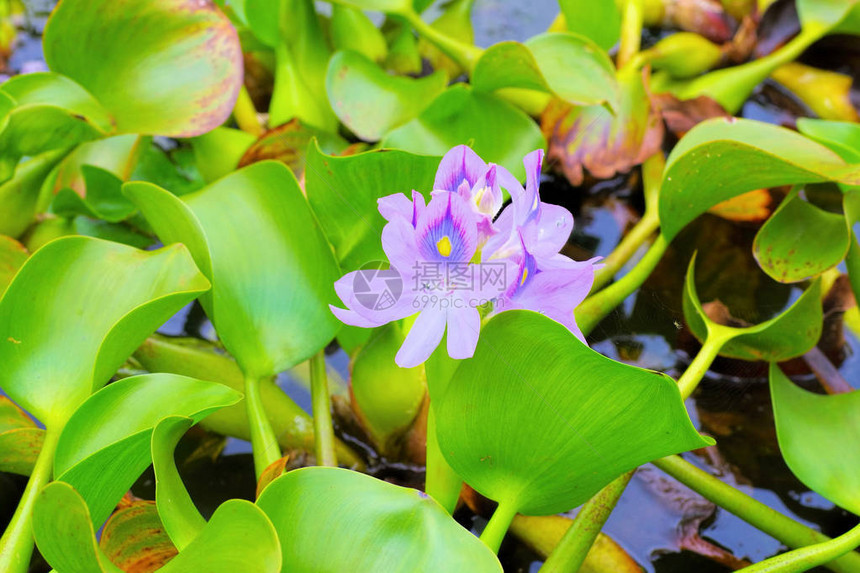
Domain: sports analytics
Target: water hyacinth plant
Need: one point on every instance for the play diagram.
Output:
(291, 288)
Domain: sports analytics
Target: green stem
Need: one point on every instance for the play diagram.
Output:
(806, 558)
(16, 545)
(441, 482)
(598, 305)
(571, 551)
(631, 33)
(321, 408)
(263, 439)
(697, 369)
(757, 514)
(852, 265)
(245, 113)
(641, 232)
(498, 525)
(466, 55)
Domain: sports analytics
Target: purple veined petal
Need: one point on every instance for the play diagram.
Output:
(423, 338)
(459, 164)
(486, 194)
(533, 163)
(562, 262)
(395, 206)
(447, 230)
(528, 205)
(418, 206)
(464, 325)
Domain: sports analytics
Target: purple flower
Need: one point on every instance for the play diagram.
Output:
(449, 259)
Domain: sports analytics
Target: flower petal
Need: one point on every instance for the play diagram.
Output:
(546, 236)
(447, 216)
(373, 297)
(398, 242)
(395, 206)
(423, 338)
(459, 164)
(464, 325)
(556, 294)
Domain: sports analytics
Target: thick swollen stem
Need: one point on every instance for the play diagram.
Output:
(441, 482)
(263, 439)
(498, 525)
(16, 545)
(757, 514)
(571, 551)
(324, 446)
(631, 33)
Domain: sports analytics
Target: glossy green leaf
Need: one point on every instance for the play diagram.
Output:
(176, 71)
(370, 525)
(843, 137)
(116, 294)
(371, 102)
(569, 66)
(582, 419)
(496, 130)
(600, 21)
(118, 155)
(239, 537)
(351, 29)
(12, 256)
(791, 333)
(758, 155)
(134, 538)
(105, 445)
(104, 199)
(20, 439)
(20, 194)
(254, 235)
(387, 397)
(817, 435)
(343, 192)
(180, 516)
(51, 112)
(800, 241)
(218, 152)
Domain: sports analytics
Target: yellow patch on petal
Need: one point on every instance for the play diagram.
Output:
(443, 245)
(525, 276)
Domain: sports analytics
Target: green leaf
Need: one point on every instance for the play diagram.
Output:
(582, 419)
(843, 137)
(118, 155)
(239, 537)
(371, 102)
(370, 525)
(218, 152)
(351, 29)
(757, 154)
(169, 68)
(272, 271)
(823, 14)
(387, 6)
(600, 21)
(789, 334)
(800, 241)
(20, 194)
(817, 435)
(569, 66)
(12, 256)
(343, 192)
(105, 445)
(20, 439)
(179, 515)
(117, 295)
(103, 200)
(134, 537)
(498, 132)
(51, 112)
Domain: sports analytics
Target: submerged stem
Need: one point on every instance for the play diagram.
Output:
(441, 482)
(498, 525)
(757, 514)
(263, 439)
(598, 305)
(321, 408)
(16, 545)
(571, 551)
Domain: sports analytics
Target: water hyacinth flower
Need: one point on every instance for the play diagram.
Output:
(455, 256)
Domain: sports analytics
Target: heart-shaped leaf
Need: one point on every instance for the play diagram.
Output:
(239, 537)
(371, 525)
(134, 539)
(817, 435)
(600, 21)
(117, 295)
(371, 102)
(800, 241)
(20, 439)
(496, 130)
(169, 68)
(105, 445)
(841, 136)
(696, 177)
(343, 192)
(272, 271)
(792, 333)
(582, 419)
(51, 111)
(570, 66)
